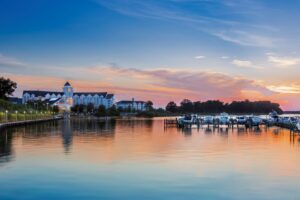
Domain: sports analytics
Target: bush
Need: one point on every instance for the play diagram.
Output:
(101, 111)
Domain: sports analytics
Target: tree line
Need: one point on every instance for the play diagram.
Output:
(216, 106)
(7, 87)
(99, 111)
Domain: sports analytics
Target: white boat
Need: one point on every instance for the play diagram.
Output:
(223, 118)
(241, 119)
(273, 117)
(208, 119)
(188, 119)
(255, 120)
(298, 126)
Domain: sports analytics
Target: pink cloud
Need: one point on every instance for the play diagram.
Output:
(159, 85)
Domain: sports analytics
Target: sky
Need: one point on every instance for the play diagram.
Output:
(159, 50)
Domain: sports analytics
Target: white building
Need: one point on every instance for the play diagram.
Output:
(70, 97)
(132, 105)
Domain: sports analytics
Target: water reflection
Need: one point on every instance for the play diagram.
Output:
(67, 135)
(124, 156)
(68, 129)
(6, 151)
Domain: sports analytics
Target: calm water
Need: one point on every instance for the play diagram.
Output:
(139, 159)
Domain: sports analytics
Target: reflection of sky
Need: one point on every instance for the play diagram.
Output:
(228, 49)
(141, 160)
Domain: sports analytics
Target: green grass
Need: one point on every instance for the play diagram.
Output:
(20, 112)
(13, 117)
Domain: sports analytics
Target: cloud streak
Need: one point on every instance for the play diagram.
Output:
(283, 62)
(226, 28)
(245, 64)
(6, 62)
(199, 57)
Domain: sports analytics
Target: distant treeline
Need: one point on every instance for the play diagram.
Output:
(216, 106)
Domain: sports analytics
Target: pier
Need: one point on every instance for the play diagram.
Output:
(199, 122)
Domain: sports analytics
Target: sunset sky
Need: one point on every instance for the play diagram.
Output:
(159, 50)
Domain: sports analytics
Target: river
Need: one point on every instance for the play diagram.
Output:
(140, 159)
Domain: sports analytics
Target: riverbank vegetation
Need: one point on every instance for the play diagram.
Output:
(20, 112)
(90, 109)
(216, 106)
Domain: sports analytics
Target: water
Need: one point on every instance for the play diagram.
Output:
(139, 159)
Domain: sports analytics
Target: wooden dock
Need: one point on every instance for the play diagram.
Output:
(232, 124)
(199, 123)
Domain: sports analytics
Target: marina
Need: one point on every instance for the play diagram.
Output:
(231, 121)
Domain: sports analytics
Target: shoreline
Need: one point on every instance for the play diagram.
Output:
(21, 123)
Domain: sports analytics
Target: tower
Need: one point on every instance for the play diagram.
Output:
(68, 92)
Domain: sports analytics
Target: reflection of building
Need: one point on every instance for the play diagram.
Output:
(69, 97)
(132, 105)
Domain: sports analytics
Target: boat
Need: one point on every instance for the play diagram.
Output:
(254, 121)
(273, 117)
(241, 119)
(223, 119)
(208, 119)
(298, 126)
(188, 119)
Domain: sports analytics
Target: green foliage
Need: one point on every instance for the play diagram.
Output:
(101, 111)
(153, 113)
(7, 87)
(81, 108)
(55, 109)
(37, 105)
(172, 107)
(113, 111)
(5, 105)
(90, 108)
(149, 105)
(216, 106)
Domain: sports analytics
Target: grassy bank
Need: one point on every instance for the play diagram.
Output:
(11, 113)
(16, 116)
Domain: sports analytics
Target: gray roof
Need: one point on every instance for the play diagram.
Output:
(67, 84)
(90, 93)
(38, 93)
(127, 102)
(41, 93)
(109, 96)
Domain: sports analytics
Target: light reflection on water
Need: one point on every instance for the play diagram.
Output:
(140, 159)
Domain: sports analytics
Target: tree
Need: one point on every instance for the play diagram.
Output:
(112, 111)
(75, 108)
(186, 106)
(7, 87)
(198, 107)
(81, 108)
(55, 109)
(149, 105)
(101, 112)
(37, 104)
(172, 107)
(90, 108)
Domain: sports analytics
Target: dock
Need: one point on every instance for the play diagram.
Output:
(231, 124)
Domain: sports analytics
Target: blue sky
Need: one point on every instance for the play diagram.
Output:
(255, 41)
